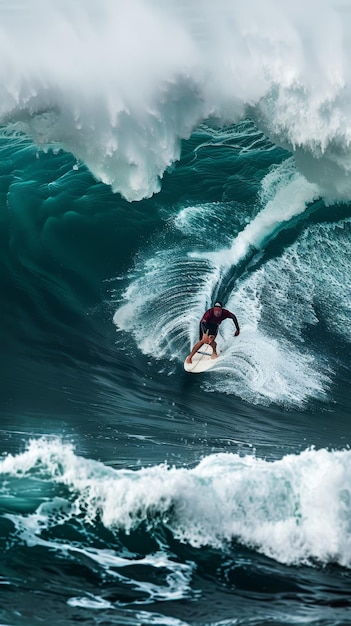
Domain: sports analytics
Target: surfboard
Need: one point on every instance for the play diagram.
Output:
(201, 361)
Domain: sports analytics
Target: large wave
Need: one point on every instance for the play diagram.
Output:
(120, 85)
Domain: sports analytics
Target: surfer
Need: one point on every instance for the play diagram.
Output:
(209, 325)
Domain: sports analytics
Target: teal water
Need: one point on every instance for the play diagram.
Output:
(131, 196)
(132, 491)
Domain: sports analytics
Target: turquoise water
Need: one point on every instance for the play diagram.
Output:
(131, 196)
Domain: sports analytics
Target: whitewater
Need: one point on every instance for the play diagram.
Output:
(295, 510)
(120, 86)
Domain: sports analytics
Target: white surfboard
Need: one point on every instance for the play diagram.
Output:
(201, 361)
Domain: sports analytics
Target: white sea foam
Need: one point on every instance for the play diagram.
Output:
(90, 602)
(269, 361)
(296, 510)
(120, 84)
(284, 195)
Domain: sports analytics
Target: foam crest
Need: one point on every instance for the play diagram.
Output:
(295, 510)
(285, 195)
(120, 86)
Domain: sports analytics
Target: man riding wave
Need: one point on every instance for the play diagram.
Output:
(209, 326)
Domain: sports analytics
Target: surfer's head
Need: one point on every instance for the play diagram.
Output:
(217, 308)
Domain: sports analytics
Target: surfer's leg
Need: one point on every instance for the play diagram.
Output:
(214, 348)
(196, 347)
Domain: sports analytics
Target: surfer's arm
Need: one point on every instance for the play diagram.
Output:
(235, 322)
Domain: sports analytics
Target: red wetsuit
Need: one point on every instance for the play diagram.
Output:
(211, 322)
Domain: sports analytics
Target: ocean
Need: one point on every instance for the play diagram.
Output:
(156, 156)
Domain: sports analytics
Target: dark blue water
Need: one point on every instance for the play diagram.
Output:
(132, 492)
